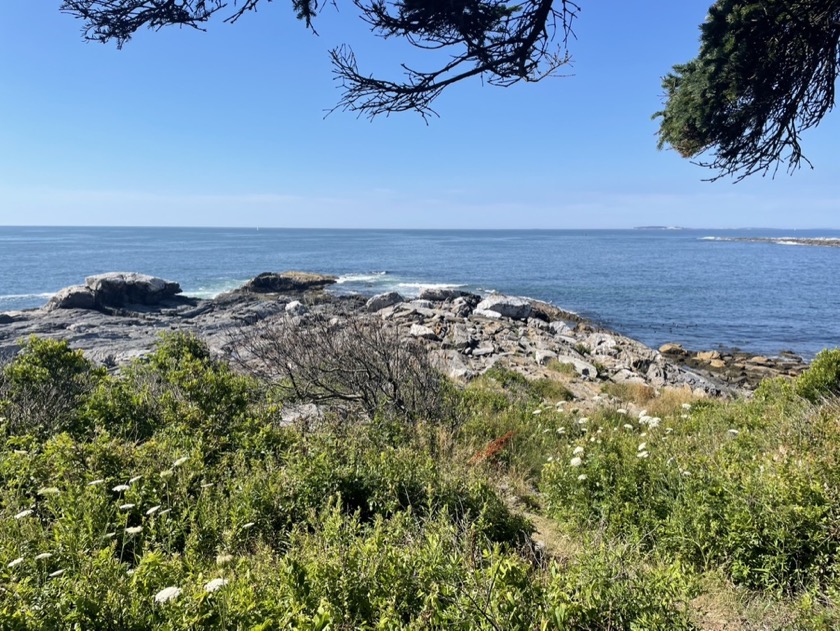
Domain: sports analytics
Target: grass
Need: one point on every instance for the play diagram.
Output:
(519, 512)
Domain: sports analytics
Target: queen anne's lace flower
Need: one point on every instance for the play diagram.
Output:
(575, 462)
(167, 594)
(215, 585)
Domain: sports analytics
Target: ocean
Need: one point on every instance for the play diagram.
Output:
(699, 288)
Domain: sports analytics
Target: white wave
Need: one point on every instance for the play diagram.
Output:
(715, 239)
(46, 294)
(786, 242)
(360, 278)
(214, 290)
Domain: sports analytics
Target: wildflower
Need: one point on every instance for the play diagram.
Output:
(152, 510)
(207, 485)
(686, 406)
(578, 451)
(167, 474)
(56, 574)
(16, 562)
(733, 432)
(621, 411)
(127, 506)
(180, 461)
(583, 421)
(48, 490)
(642, 454)
(133, 530)
(134, 479)
(250, 524)
(120, 488)
(561, 430)
(683, 416)
(167, 594)
(130, 572)
(575, 462)
(24, 513)
(164, 512)
(581, 477)
(643, 414)
(536, 412)
(653, 422)
(668, 430)
(627, 426)
(641, 447)
(686, 473)
(551, 459)
(96, 482)
(224, 559)
(215, 585)
(43, 555)
(21, 452)
(109, 535)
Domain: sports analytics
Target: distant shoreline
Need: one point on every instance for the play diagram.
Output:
(826, 242)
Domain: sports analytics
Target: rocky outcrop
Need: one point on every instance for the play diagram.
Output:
(464, 334)
(286, 282)
(505, 307)
(115, 290)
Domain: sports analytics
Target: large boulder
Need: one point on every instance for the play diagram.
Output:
(504, 306)
(115, 289)
(381, 301)
(75, 297)
(439, 294)
(287, 282)
(118, 289)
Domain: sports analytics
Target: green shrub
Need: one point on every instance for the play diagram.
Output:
(43, 386)
(822, 377)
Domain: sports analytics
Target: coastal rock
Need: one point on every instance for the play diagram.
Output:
(296, 308)
(584, 369)
(672, 349)
(423, 332)
(504, 306)
(440, 294)
(707, 356)
(118, 289)
(381, 301)
(287, 282)
(542, 357)
(76, 297)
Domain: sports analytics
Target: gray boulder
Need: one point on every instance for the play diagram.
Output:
(117, 289)
(439, 294)
(423, 332)
(76, 297)
(296, 308)
(275, 283)
(504, 306)
(381, 301)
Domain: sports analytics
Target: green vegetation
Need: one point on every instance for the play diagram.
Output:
(174, 495)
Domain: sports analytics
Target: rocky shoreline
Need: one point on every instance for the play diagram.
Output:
(117, 317)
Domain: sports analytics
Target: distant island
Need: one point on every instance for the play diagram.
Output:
(659, 228)
(831, 242)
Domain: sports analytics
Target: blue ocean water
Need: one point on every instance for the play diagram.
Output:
(693, 287)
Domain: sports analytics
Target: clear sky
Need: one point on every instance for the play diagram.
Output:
(227, 128)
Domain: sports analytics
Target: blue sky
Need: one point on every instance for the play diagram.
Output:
(227, 128)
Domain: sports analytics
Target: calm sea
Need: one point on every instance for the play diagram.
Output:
(657, 286)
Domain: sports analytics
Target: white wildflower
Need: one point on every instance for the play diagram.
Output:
(96, 482)
(43, 555)
(641, 447)
(575, 462)
(21, 452)
(627, 426)
(733, 432)
(536, 412)
(133, 530)
(683, 416)
(581, 477)
(561, 430)
(134, 479)
(167, 474)
(56, 574)
(127, 506)
(120, 488)
(24, 513)
(167, 594)
(207, 485)
(653, 422)
(583, 420)
(551, 459)
(578, 451)
(48, 490)
(215, 585)
(621, 411)
(668, 430)
(153, 510)
(643, 414)
(686, 473)
(250, 524)
(642, 454)
(16, 562)
(109, 535)
(686, 406)
(164, 512)
(180, 461)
